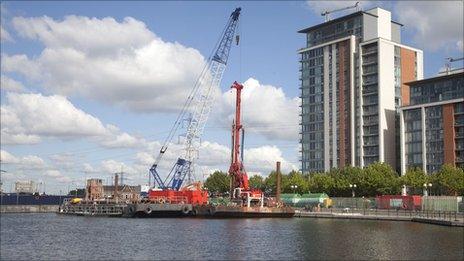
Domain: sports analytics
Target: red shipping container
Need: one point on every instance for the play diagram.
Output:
(398, 202)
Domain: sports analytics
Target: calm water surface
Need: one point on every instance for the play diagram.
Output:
(50, 236)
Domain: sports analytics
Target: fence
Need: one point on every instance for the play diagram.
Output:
(426, 203)
(441, 203)
(357, 203)
(397, 213)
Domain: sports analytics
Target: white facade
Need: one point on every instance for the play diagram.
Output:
(387, 108)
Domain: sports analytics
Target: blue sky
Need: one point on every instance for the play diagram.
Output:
(55, 81)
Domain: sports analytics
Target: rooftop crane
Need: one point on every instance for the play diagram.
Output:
(327, 13)
(448, 64)
(196, 110)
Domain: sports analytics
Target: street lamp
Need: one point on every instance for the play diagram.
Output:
(426, 191)
(353, 187)
(294, 187)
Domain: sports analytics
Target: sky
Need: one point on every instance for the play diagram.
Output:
(92, 88)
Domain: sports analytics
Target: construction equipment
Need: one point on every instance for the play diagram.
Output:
(195, 112)
(327, 13)
(240, 190)
(449, 61)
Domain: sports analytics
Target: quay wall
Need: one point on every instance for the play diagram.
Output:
(28, 208)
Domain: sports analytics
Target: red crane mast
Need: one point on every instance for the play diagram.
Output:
(240, 189)
(238, 174)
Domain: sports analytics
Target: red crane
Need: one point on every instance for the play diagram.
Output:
(240, 188)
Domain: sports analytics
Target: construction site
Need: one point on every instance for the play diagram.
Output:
(177, 193)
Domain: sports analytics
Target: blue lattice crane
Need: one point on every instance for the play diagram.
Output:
(196, 110)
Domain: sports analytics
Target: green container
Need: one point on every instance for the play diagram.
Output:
(310, 199)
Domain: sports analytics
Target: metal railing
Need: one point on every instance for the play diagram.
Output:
(400, 213)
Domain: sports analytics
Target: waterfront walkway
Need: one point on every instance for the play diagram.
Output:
(436, 217)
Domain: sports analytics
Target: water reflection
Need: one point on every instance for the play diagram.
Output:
(49, 236)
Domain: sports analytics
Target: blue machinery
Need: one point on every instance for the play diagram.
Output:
(196, 111)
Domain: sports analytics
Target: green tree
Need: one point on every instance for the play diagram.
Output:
(448, 181)
(256, 182)
(342, 178)
(321, 183)
(270, 184)
(80, 193)
(414, 179)
(295, 178)
(378, 179)
(218, 182)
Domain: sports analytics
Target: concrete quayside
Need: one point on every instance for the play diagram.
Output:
(429, 217)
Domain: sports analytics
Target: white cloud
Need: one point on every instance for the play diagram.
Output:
(58, 176)
(435, 24)
(63, 160)
(8, 158)
(121, 63)
(145, 158)
(52, 173)
(33, 162)
(263, 160)
(87, 168)
(5, 35)
(112, 166)
(213, 154)
(50, 116)
(265, 109)
(25, 162)
(10, 85)
(121, 140)
(27, 117)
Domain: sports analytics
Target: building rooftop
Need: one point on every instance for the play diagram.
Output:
(436, 78)
(336, 20)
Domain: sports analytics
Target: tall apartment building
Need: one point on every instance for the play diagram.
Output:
(432, 124)
(353, 71)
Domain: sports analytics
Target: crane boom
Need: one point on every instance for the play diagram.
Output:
(326, 12)
(196, 110)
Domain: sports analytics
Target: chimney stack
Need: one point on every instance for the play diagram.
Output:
(278, 181)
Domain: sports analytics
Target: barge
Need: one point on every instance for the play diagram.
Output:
(154, 210)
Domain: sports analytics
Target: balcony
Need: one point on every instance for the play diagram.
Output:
(369, 62)
(369, 73)
(370, 134)
(369, 92)
(370, 83)
(369, 52)
(370, 103)
(370, 123)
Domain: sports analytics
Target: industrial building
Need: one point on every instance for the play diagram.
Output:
(353, 74)
(95, 190)
(432, 123)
